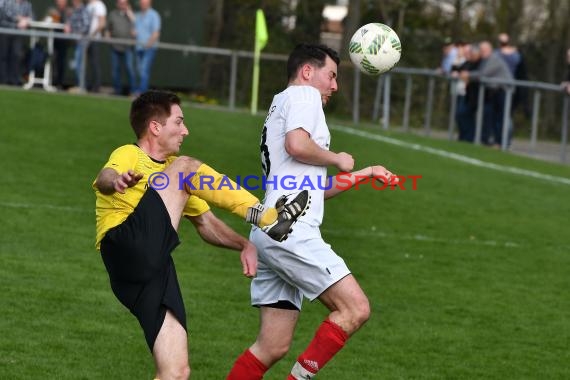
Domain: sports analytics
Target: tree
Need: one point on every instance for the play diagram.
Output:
(351, 25)
(213, 35)
(309, 20)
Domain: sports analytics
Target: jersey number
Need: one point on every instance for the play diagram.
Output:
(265, 161)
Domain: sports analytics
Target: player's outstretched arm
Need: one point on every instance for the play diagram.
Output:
(214, 231)
(109, 181)
(346, 181)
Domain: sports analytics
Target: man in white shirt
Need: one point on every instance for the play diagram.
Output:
(98, 16)
(295, 145)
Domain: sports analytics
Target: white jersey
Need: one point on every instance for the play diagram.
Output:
(96, 9)
(295, 107)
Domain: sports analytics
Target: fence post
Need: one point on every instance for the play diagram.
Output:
(407, 103)
(429, 105)
(453, 107)
(534, 130)
(506, 126)
(564, 139)
(377, 98)
(83, 68)
(386, 110)
(233, 81)
(479, 117)
(356, 97)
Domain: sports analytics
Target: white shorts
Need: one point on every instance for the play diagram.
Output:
(302, 265)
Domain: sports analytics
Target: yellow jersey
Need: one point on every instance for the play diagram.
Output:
(112, 210)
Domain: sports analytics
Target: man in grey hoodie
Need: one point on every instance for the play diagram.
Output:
(492, 66)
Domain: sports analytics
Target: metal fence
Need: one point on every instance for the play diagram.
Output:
(392, 91)
(383, 96)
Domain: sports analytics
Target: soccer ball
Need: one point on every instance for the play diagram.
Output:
(375, 48)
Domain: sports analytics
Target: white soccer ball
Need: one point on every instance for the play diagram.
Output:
(375, 48)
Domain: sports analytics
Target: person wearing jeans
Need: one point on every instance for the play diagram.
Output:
(144, 59)
(118, 59)
(98, 20)
(121, 25)
(147, 29)
(78, 23)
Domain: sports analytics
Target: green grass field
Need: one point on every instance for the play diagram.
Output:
(468, 276)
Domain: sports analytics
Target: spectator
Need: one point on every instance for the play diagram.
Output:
(59, 14)
(467, 94)
(461, 56)
(97, 14)
(147, 29)
(458, 64)
(492, 66)
(78, 23)
(450, 52)
(15, 14)
(509, 53)
(121, 25)
(516, 63)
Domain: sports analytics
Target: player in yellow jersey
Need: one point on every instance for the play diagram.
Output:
(142, 193)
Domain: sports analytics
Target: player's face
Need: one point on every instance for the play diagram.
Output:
(174, 131)
(324, 79)
(144, 4)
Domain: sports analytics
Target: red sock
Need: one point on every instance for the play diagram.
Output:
(328, 340)
(247, 367)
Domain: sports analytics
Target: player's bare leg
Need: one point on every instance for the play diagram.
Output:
(173, 198)
(350, 309)
(170, 350)
(348, 304)
(272, 343)
(204, 182)
(275, 334)
(228, 197)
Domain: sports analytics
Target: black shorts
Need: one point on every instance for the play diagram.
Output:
(137, 255)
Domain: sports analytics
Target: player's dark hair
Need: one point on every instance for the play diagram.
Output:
(151, 105)
(313, 54)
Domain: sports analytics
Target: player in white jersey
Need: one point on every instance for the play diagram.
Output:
(295, 144)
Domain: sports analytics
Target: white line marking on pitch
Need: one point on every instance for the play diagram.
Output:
(454, 156)
(417, 237)
(43, 206)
